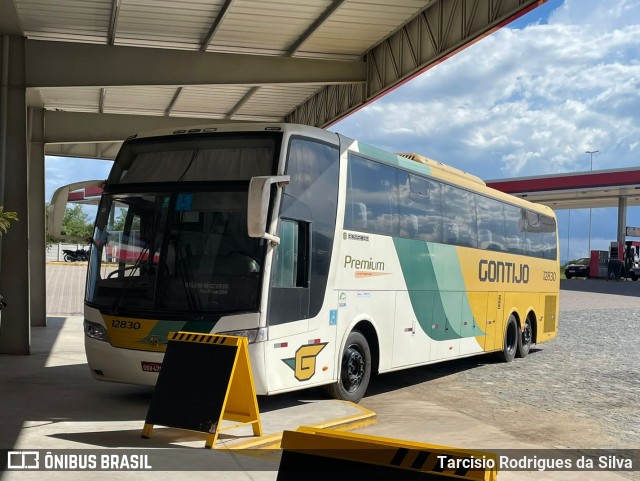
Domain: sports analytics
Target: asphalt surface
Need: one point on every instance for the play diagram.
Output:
(579, 391)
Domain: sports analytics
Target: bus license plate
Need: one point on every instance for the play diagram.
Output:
(151, 366)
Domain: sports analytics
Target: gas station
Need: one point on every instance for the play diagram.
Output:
(619, 188)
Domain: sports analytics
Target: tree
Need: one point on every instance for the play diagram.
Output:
(5, 220)
(120, 221)
(76, 222)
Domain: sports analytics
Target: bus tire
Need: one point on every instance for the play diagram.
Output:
(511, 335)
(355, 370)
(525, 339)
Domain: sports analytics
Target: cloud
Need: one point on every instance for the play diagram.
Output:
(597, 14)
(526, 101)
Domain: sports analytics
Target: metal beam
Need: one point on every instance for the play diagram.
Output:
(442, 29)
(174, 101)
(9, 20)
(102, 99)
(216, 25)
(331, 102)
(60, 64)
(335, 5)
(103, 151)
(292, 50)
(245, 98)
(79, 127)
(113, 24)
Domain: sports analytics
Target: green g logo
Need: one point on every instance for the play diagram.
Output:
(304, 364)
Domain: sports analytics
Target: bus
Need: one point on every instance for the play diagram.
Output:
(336, 260)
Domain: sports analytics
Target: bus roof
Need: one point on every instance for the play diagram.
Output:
(409, 161)
(241, 127)
(424, 166)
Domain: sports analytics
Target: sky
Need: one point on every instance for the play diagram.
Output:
(529, 99)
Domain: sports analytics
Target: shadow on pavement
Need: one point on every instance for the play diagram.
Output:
(383, 383)
(602, 286)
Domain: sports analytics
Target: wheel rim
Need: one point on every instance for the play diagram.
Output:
(526, 334)
(353, 367)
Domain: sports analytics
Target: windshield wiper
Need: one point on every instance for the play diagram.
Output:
(136, 265)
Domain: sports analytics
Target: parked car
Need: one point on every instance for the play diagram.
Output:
(579, 268)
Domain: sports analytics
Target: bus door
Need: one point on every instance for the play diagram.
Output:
(307, 225)
(290, 284)
(297, 322)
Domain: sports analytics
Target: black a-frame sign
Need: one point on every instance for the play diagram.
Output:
(204, 379)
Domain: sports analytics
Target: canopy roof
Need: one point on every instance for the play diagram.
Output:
(104, 69)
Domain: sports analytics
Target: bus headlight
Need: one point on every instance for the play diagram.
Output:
(252, 335)
(95, 331)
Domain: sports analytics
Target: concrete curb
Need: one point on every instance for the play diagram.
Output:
(366, 417)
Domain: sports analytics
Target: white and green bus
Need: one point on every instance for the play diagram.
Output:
(335, 259)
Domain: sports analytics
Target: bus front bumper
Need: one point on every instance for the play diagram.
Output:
(130, 366)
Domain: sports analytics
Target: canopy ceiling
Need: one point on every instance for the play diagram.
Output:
(104, 69)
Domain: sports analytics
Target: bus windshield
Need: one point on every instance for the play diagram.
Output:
(175, 252)
(171, 235)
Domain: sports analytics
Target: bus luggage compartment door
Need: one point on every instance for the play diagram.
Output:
(446, 325)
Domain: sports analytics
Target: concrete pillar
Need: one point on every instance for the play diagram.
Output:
(15, 333)
(622, 219)
(37, 246)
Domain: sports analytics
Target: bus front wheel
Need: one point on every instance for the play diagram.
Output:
(511, 335)
(355, 370)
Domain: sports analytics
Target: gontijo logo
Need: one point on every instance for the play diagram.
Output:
(304, 364)
(498, 271)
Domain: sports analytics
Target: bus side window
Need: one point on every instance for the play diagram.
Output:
(514, 228)
(419, 207)
(375, 186)
(356, 216)
(459, 207)
(292, 254)
(540, 235)
(491, 229)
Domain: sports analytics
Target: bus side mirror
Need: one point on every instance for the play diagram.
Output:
(58, 204)
(258, 205)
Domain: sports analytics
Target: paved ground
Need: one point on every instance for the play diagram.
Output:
(65, 288)
(581, 390)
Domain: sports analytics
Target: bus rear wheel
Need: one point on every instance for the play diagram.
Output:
(355, 370)
(511, 335)
(525, 339)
